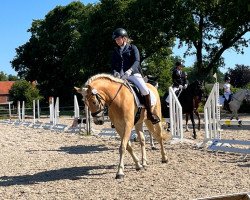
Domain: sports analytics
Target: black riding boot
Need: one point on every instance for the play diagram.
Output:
(152, 117)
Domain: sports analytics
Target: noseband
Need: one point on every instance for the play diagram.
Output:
(95, 93)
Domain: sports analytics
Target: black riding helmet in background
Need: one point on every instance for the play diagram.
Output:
(119, 32)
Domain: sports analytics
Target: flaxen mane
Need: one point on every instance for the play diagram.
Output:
(104, 76)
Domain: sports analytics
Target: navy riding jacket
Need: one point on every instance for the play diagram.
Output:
(179, 78)
(128, 58)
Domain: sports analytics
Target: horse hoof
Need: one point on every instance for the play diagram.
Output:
(154, 148)
(194, 136)
(165, 161)
(119, 176)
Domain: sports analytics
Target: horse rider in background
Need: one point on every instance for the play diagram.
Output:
(180, 82)
(126, 65)
(179, 79)
(227, 92)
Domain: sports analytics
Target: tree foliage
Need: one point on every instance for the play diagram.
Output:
(240, 76)
(74, 42)
(23, 90)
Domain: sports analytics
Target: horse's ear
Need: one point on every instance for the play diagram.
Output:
(81, 90)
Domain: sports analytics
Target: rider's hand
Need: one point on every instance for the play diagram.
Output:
(124, 76)
(180, 87)
(127, 74)
(185, 86)
(117, 74)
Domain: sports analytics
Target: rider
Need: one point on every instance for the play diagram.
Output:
(180, 82)
(179, 79)
(126, 65)
(227, 92)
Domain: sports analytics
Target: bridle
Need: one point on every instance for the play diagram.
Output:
(100, 100)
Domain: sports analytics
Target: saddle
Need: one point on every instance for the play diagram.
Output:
(139, 98)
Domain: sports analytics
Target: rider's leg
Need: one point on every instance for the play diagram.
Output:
(152, 117)
(140, 83)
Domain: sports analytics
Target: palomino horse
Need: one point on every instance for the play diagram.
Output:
(237, 100)
(105, 90)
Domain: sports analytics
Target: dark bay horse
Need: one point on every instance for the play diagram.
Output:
(105, 90)
(196, 101)
(187, 100)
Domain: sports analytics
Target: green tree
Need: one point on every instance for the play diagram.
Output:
(3, 76)
(23, 90)
(51, 55)
(240, 76)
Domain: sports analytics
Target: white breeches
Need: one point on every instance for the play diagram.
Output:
(140, 83)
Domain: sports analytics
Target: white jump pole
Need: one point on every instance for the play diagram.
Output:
(19, 110)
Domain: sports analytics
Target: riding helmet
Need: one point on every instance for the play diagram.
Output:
(119, 32)
(179, 64)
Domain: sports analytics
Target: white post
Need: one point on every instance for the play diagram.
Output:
(38, 109)
(76, 108)
(56, 111)
(23, 111)
(19, 110)
(34, 111)
(51, 109)
(9, 110)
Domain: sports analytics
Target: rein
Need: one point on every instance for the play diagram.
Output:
(100, 98)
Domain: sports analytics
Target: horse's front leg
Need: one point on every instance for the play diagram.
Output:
(187, 129)
(199, 119)
(193, 124)
(141, 137)
(125, 136)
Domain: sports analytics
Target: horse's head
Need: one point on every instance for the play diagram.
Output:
(95, 103)
(196, 88)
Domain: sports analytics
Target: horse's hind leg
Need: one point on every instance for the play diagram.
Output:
(141, 137)
(156, 131)
(193, 124)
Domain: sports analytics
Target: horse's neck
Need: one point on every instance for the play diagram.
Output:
(240, 95)
(109, 91)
